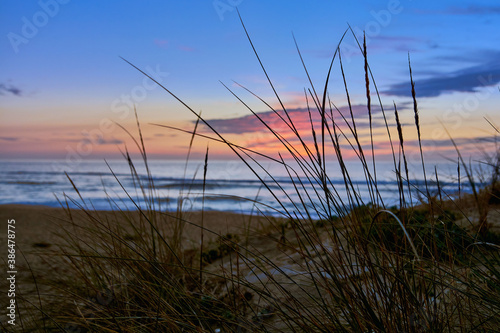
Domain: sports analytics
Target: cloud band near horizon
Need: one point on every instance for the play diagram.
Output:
(469, 79)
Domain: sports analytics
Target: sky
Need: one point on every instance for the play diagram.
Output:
(66, 91)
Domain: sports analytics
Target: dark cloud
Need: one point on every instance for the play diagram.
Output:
(94, 140)
(447, 143)
(444, 147)
(473, 57)
(300, 118)
(469, 79)
(102, 141)
(8, 138)
(382, 43)
(474, 10)
(463, 10)
(9, 89)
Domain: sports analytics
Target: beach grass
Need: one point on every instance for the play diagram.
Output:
(331, 262)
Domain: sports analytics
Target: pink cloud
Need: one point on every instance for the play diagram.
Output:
(162, 43)
(299, 117)
(186, 48)
(255, 134)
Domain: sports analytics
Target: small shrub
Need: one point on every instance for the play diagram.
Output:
(225, 244)
(438, 237)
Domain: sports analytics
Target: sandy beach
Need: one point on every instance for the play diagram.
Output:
(41, 230)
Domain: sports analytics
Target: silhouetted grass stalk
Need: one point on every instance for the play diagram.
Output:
(339, 264)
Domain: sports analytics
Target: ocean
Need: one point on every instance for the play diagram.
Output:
(229, 186)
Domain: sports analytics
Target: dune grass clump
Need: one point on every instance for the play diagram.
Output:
(333, 261)
(133, 271)
(449, 240)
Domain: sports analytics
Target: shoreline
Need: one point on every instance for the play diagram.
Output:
(40, 259)
(37, 225)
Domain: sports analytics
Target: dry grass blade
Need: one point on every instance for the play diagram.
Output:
(327, 255)
(205, 168)
(401, 142)
(417, 125)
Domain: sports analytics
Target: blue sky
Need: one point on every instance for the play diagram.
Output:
(61, 74)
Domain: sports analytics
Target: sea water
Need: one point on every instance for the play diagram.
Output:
(267, 187)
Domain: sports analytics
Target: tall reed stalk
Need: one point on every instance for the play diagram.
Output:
(332, 261)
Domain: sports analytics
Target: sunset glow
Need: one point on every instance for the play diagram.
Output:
(64, 89)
